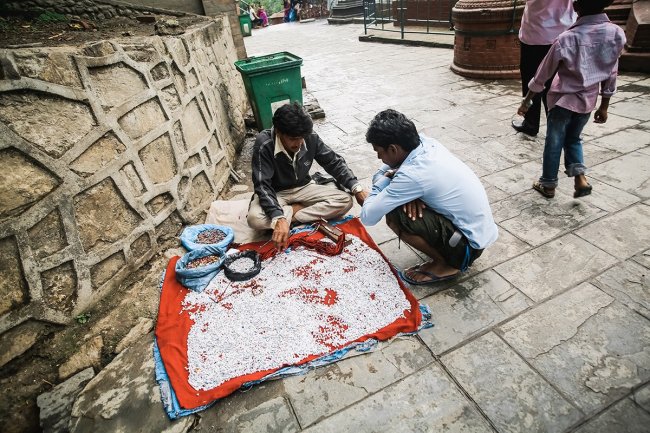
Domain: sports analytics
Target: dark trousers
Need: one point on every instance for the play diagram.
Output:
(531, 57)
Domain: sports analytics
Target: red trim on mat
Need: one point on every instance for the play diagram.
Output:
(172, 328)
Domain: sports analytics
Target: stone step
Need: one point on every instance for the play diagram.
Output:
(618, 13)
(636, 56)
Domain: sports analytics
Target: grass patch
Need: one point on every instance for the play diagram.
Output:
(51, 17)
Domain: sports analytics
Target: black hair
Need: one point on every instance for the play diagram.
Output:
(293, 120)
(392, 127)
(592, 7)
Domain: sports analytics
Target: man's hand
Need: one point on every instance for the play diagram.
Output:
(600, 116)
(281, 234)
(361, 196)
(526, 103)
(414, 209)
(522, 110)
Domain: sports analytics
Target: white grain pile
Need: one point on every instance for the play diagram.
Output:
(241, 265)
(302, 303)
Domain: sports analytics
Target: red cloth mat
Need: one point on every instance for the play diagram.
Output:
(174, 325)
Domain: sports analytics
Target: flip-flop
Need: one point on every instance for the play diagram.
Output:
(546, 192)
(581, 192)
(432, 278)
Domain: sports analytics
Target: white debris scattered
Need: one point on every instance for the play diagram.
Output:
(302, 303)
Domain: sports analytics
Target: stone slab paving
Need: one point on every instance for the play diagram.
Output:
(470, 307)
(624, 416)
(525, 326)
(595, 351)
(628, 282)
(512, 394)
(631, 234)
(549, 330)
(264, 408)
(329, 390)
(546, 270)
(426, 401)
(630, 173)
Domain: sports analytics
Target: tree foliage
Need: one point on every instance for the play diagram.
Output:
(270, 6)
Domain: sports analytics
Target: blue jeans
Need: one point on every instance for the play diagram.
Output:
(563, 129)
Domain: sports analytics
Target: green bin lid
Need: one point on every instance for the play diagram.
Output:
(268, 63)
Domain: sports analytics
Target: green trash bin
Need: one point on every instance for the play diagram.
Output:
(271, 81)
(245, 24)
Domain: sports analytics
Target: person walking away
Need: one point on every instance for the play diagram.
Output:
(586, 60)
(541, 23)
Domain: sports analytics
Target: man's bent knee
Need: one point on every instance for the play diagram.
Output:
(339, 203)
(257, 221)
(392, 220)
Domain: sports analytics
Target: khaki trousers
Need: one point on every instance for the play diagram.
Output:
(321, 201)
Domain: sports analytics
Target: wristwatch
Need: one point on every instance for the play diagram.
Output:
(527, 102)
(356, 188)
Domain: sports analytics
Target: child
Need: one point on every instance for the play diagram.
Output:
(585, 57)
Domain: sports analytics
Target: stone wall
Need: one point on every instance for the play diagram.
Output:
(191, 6)
(104, 9)
(87, 9)
(106, 150)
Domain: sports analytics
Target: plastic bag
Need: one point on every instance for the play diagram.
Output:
(190, 234)
(197, 279)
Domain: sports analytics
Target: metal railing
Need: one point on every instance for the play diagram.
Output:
(408, 16)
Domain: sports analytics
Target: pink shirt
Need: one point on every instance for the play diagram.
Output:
(585, 56)
(544, 20)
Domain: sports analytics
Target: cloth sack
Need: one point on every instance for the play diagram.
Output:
(198, 279)
(232, 213)
(190, 234)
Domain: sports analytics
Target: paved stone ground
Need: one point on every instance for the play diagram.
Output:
(549, 331)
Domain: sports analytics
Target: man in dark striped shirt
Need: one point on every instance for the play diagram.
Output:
(284, 190)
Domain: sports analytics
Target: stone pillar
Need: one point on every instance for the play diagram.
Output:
(636, 56)
(486, 44)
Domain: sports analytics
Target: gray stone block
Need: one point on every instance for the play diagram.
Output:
(264, 408)
(56, 405)
(624, 416)
(632, 234)
(630, 173)
(328, 390)
(549, 324)
(469, 308)
(513, 395)
(125, 397)
(536, 222)
(426, 401)
(593, 354)
(630, 284)
(531, 273)
(642, 397)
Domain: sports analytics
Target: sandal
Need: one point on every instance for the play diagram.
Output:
(432, 278)
(546, 192)
(581, 192)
